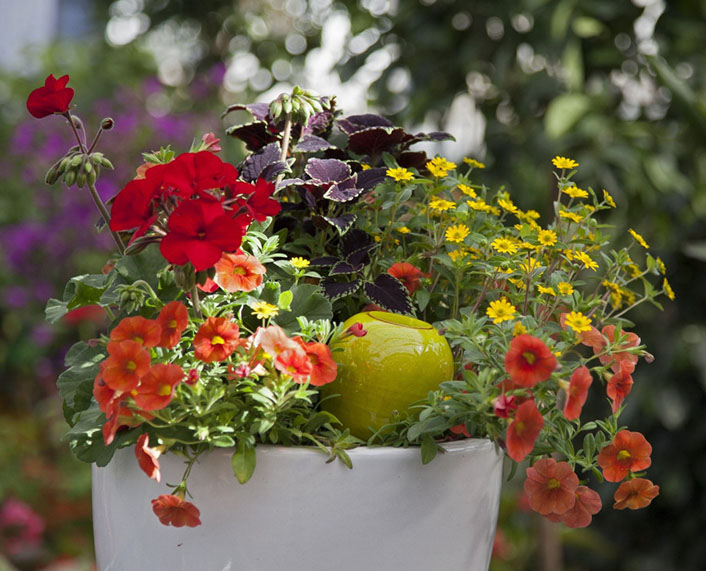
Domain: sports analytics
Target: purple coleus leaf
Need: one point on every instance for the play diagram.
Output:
(311, 144)
(255, 135)
(341, 223)
(327, 170)
(375, 140)
(323, 261)
(259, 111)
(354, 241)
(412, 159)
(265, 163)
(337, 290)
(344, 267)
(354, 123)
(322, 122)
(343, 191)
(360, 256)
(390, 294)
(370, 178)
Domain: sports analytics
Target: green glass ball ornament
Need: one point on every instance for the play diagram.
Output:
(398, 361)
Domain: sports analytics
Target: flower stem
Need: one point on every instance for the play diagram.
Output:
(196, 301)
(285, 144)
(106, 216)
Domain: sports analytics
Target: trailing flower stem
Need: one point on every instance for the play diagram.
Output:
(106, 217)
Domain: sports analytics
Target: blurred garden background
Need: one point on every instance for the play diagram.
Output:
(618, 86)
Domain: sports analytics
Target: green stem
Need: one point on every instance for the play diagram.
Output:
(106, 216)
(285, 144)
(196, 301)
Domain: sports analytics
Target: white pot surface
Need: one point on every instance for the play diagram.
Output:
(389, 513)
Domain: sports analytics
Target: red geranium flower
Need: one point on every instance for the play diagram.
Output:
(195, 173)
(629, 452)
(173, 319)
(134, 207)
(199, 232)
(529, 361)
(523, 430)
(635, 494)
(156, 388)
(216, 339)
(551, 486)
(294, 362)
(239, 272)
(126, 364)
(173, 510)
(53, 97)
(577, 392)
(619, 385)
(148, 458)
(408, 274)
(588, 503)
(259, 204)
(145, 331)
(324, 368)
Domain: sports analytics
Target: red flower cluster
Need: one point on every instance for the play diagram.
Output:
(128, 372)
(195, 206)
(52, 97)
(553, 490)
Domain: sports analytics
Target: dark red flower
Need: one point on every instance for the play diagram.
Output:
(408, 274)
(199, 232)
(53, 97)
(259, 203)
(196, 173)
(133, 207)
(173, 510)
(523, 430)
(529, 361)
(577, 392)
(148, 458)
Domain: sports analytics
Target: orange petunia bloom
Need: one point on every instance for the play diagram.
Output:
(216, 339)
(173, 510)
(324, 368)
(577, 392)
(635, 494)
(127, 362)
(408, 274)
(239, 272)
(619, 354)
(173, 319)
(529, 361)
(146, 332)
(588, 503)
(104, 395)
(629, 452)
(296, 363)
(619, 385)
(148, 458)
(551, 486)
(156, 388)
(523, 430)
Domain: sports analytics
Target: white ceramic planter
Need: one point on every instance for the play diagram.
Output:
(297, 513)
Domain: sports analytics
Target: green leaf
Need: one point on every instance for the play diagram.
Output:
(86, 438)
(285, 300)
(243, 461)
(422, 296)
(55, 310)
(144, 265)
(76, 383)
(307, 300)
(429, 449)
(564, 112)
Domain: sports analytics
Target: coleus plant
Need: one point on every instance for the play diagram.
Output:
(231, 283)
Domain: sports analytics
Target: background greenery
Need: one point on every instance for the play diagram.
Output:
(618, 86)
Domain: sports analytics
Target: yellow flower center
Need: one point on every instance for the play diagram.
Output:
(529, 357)
(239, 271)
(217, 340)
(164, 390)
(624, 455)
(131, 365)
(553, 484)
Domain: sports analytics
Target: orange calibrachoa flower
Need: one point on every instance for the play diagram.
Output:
(239, 272)
(587, 504)
(408, 274)
(147, 457)
(273, 340)
(174, 510)
(173, 319)
(323, 367)
(620, 384)
(577, 392)
(635, 494)
(126, 364)
(529, 361)
(216, 339)
(551, 486)
(629, 452)
(146, 332)
(523, 430)
(294, 362)
(598, 341)
(156, 388)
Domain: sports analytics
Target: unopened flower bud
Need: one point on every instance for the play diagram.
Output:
(107, 124)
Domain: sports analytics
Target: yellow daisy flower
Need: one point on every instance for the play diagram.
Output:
(564, 163)
(518, 329)
(366, 166)
(504, 245)
(660, 266)
(529, 266)
(400, 174)
(668, 291)
(457, 233)
(479, 204)
(565, 288)
(639, 239)
(575, 192)
(546, 237)
(467, 190)
(586, 260)
(442, 163)
(578, 321)
(264, 310)
(403, 230)
(441, 205)
(500, 310)
(474, 163)
(299, 263)
(507, 204)
(608, 198)
(518, 283)
(573, 216)
(457, 255)
(546, 290)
